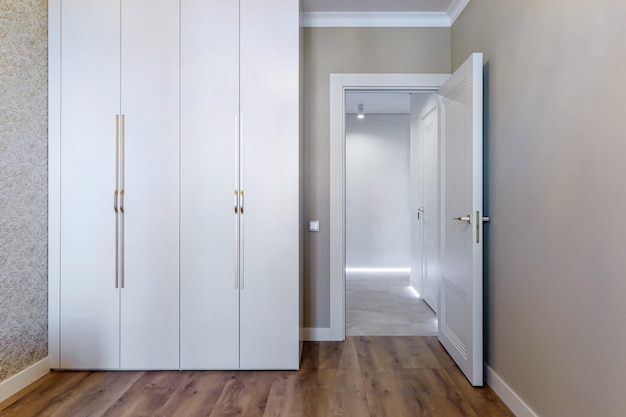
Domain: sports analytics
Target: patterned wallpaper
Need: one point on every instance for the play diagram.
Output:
(23, 184)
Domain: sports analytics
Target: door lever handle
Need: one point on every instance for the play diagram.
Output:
(467, 218)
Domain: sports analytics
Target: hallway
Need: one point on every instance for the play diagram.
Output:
(382, 304)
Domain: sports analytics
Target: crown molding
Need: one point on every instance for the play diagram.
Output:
(385, 19)
(376, 19)
(455, 9)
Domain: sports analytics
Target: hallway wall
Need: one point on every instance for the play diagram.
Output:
(378, 233)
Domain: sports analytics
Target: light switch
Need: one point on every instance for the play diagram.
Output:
(314, 225)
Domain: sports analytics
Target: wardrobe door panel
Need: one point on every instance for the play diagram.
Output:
(150, 104)
(90, 68)
(209, 129)
(269, 325)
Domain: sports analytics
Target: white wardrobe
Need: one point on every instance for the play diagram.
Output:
(174, 184)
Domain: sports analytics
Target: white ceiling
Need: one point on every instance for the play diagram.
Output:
(377, 5)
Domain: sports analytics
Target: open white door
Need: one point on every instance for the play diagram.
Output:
(461, 290)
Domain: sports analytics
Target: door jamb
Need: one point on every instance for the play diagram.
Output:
(339, 84)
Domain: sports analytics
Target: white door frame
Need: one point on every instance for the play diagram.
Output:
(339, 84)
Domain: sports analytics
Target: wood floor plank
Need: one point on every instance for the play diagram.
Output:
(376, 354)
(439, 351)
(389, 396)
(51, 394)
(437, 394)
(341, 393)
(197, 395)
(303, 388)
(483, 400)
(97, 393)
(414, 353)
(147, 395)
(281, 393)
(245, 394)
(361, 377)
(338, 355)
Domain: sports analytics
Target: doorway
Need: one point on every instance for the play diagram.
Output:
(339, 84)
(385, 246)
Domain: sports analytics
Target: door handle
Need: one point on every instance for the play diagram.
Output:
(420, 211)
(467, 218)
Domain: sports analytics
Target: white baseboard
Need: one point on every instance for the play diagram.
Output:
(21, 380)
(507, 395)
(316, 334)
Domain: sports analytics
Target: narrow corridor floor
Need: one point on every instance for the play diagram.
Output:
(382, 304)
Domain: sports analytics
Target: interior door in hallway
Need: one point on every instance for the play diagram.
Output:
(461, 289)
(425, 218)
(430, 205)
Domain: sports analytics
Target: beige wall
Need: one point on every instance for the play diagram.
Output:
(556, 140)
(23, 184)
(348, 50)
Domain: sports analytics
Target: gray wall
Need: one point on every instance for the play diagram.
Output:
(556, 162)
(378, 233)
(23, 184)
(348, 50)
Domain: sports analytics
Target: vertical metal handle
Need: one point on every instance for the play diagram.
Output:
(236, 153)
(117, 243)
(241, 155)
(241, 202)
(115, 201)
(236, 252)
(241, 254)
(236, 200)
(122, 191)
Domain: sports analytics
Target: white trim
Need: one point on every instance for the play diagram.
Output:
(408, 82)
(386, 19)
(337, 228)
(19, 381)
(455, 9)
(54, 179)
(316, 334)
(356, 270)
(376, 19)
(507, 395)
(339, 83)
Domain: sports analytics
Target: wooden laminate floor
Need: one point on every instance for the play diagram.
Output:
(394, 376)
